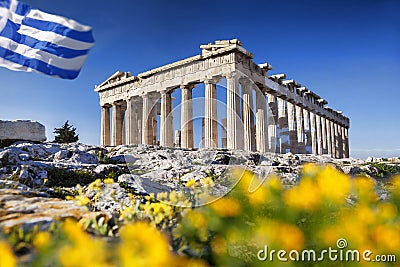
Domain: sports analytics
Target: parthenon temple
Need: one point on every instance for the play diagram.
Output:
(264, 113)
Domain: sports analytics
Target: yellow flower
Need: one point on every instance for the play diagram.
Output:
(279, 234)
(353, 224)
(334, 185)
(395, 190)
(249, 182)
(96, 185)
(263, 194)
(197, 219)
(143, 245)
(291, 236)
(174, 197)
(162, 196)
(364, 189)
(305, 196)
(396, 182)
(226, 207)
(387, 238)
(274, 182)
(363, 214)
(109, 181)
(127, 213)
(330, 235)
(41, 240)
(310, 169)
(7, 257)
(259, 196)
(84, 251)
(74, 232)
(190, 183)
(81, 200)
(386, 211)
(149, 197)
(197, 223)
(208, 181)
(218, 245)
(235, 235)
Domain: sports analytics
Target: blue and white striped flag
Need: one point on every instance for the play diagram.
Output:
(32, 40)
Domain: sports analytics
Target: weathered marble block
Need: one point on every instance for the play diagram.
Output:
(22, 130)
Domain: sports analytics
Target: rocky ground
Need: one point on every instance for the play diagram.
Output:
(36, 178)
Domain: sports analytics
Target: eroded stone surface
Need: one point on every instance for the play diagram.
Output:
(22, 130)
(26, 209)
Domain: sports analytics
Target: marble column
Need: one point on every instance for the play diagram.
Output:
(248, 115)
(117, 124)
(261, 130)
(323, 136)
(187, 117)
(154, 112)
(333, 138)
(346, 143)
(272, 122)
(147, 131)
(336, 140)
(178, 138)
(307, 131)
(319, 134)
(210, 114)
(105, 125)
(283, 126)
(340, 134)
(203, 143)
(224, 138)
(301, 148)
(128, 122)
(292, 128)
(314, 148)
(328, 136)
(138, 106)
(234, 125)
(343, 142)
(131, 122)
(166, 126)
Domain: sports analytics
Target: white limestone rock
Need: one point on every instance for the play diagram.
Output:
(124, 158)
(84, 157)
(24, 157)
(110, 199)
(143, 185)
(373, 159)
(106, 169)
(38, 151)
(196, 175)
(22, 130)
(62, 155)
(351, 170)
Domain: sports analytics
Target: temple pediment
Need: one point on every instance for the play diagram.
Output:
(116, 77)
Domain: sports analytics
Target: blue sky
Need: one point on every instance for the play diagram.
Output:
(346, 51)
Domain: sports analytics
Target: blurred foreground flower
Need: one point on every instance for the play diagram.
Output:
(324, 207)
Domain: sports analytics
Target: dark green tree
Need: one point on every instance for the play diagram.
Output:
(65, 134)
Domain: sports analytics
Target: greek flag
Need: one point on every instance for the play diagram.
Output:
(32, 40)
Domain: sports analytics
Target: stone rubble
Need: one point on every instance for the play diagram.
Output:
(27, 209)
(27, 169)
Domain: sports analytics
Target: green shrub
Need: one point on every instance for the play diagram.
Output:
(68, 178)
